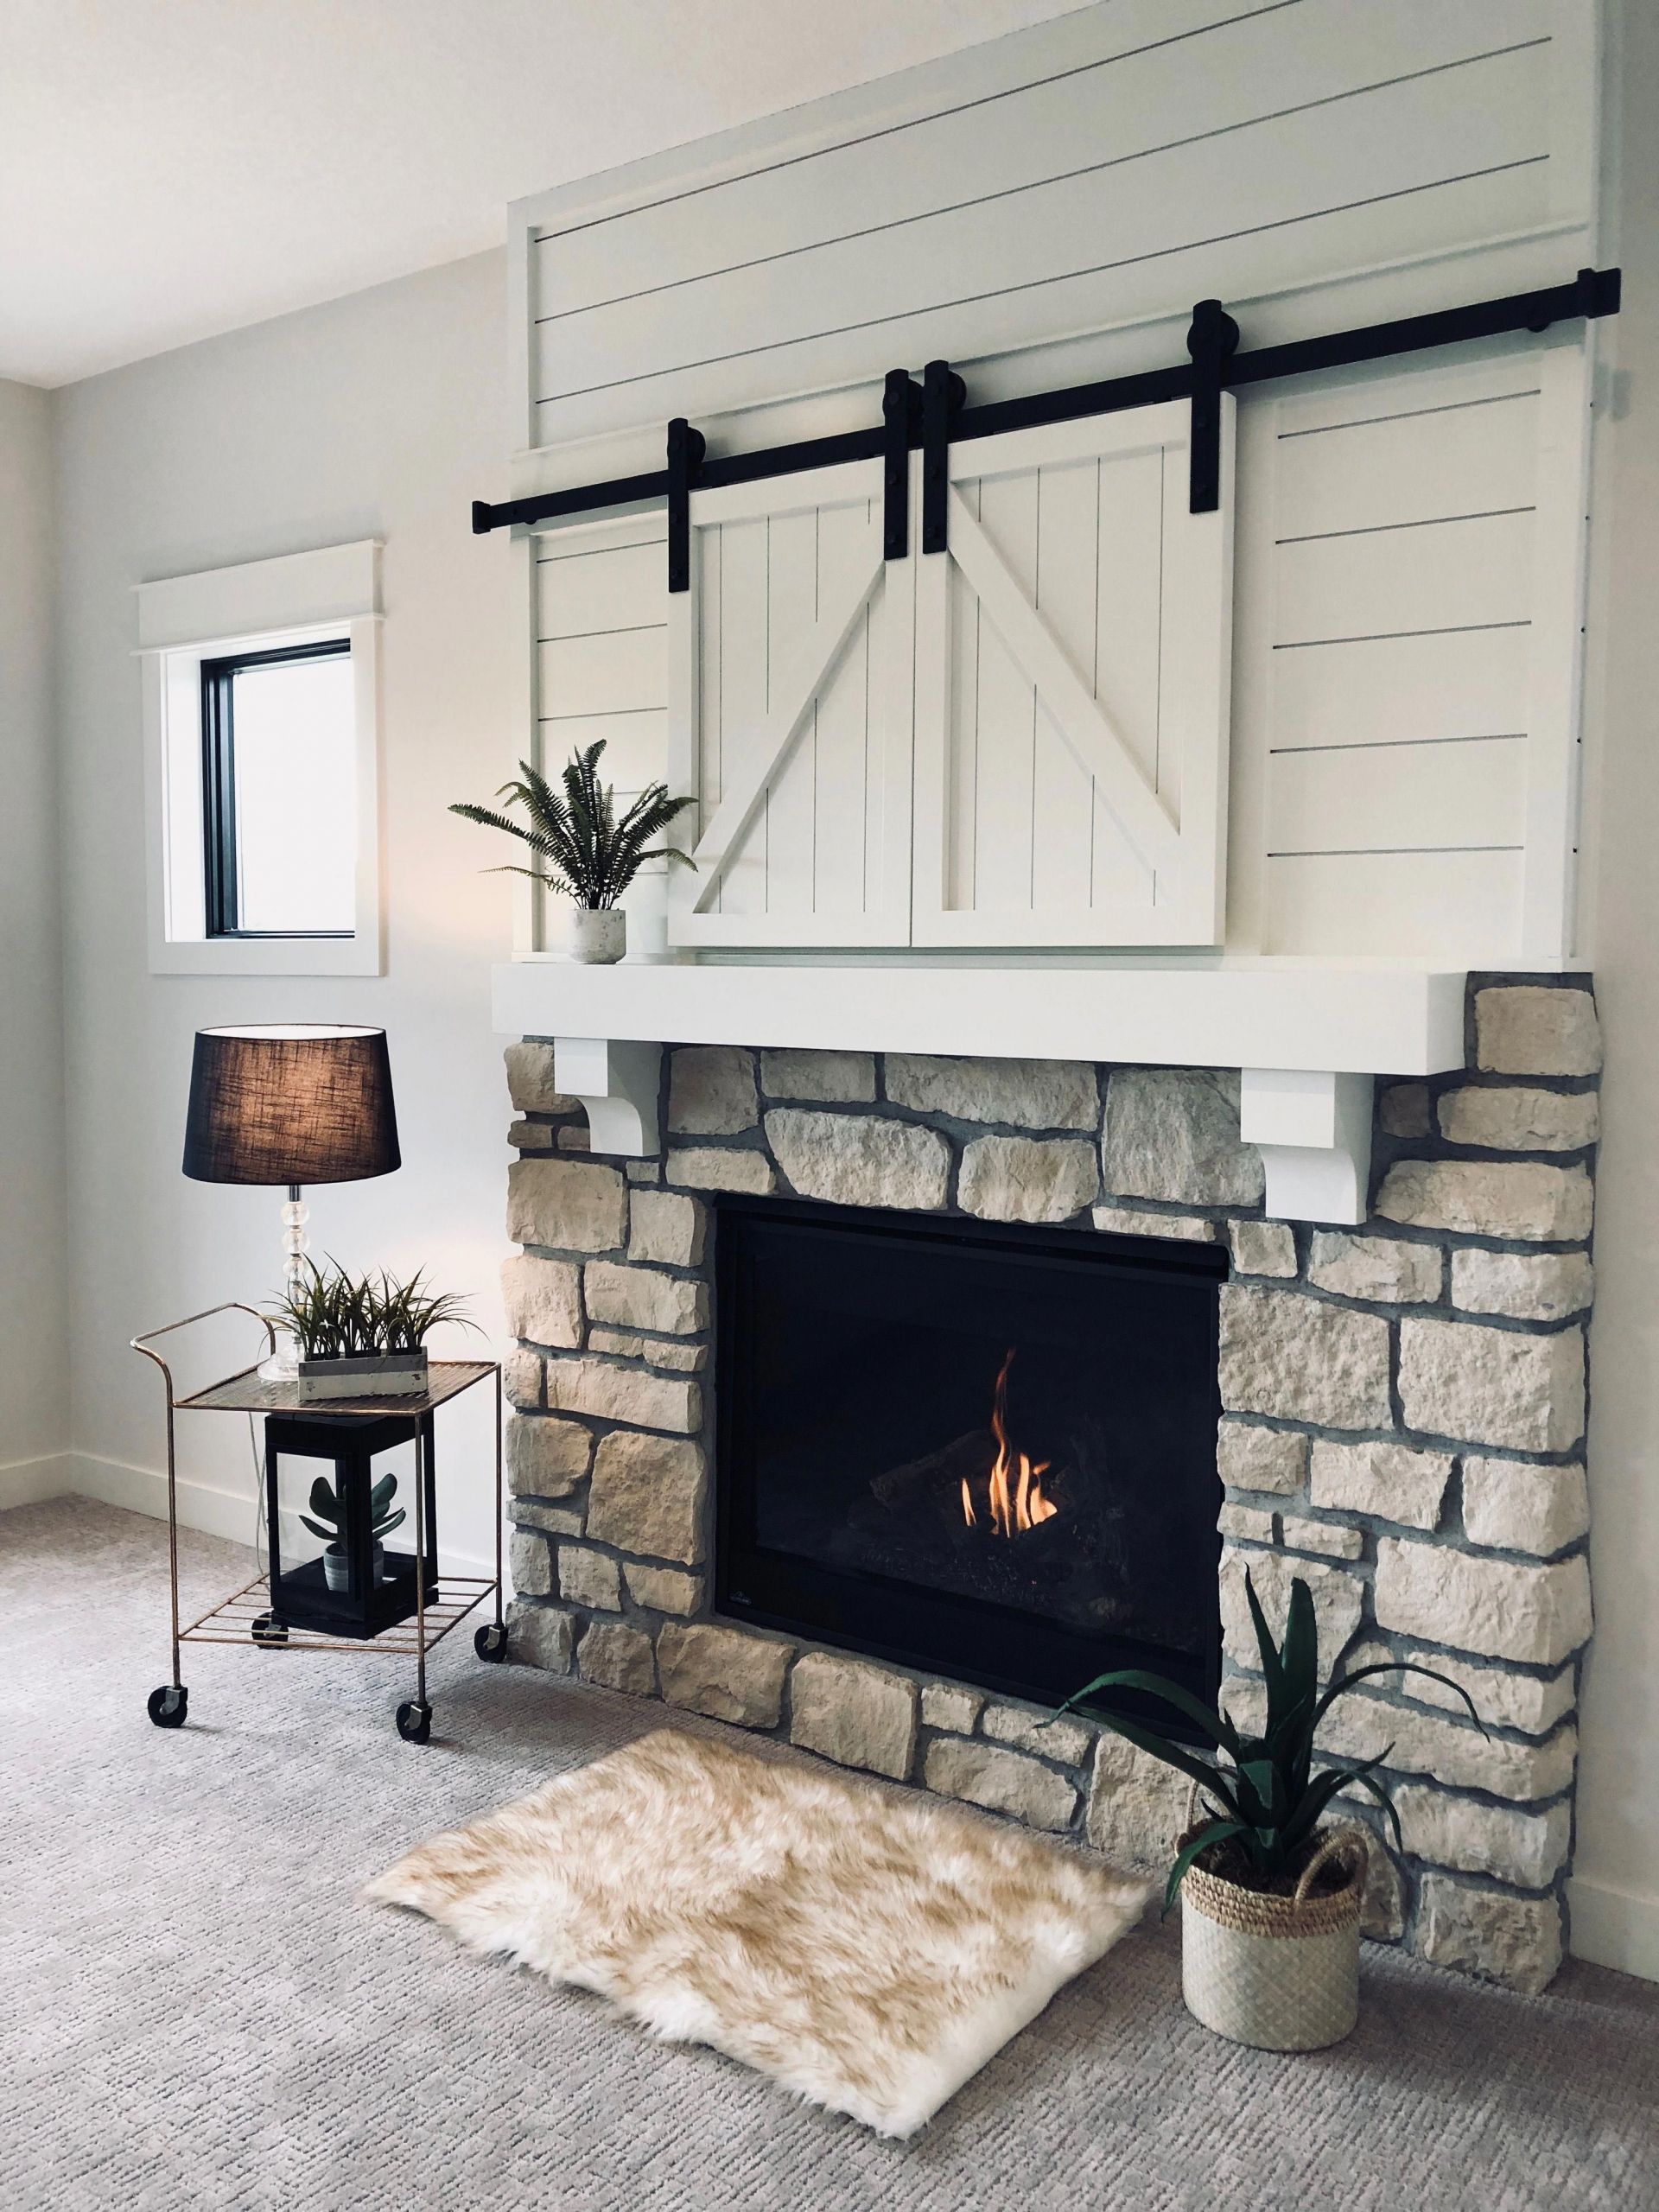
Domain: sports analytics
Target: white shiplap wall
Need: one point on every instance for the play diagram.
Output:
(1104, 171)
(1405, 738)
(1404, 749)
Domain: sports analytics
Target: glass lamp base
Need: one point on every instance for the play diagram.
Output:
(282, 1366)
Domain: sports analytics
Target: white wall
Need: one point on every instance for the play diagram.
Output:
(1615, 1890)
(378, 416)
(34, 1411)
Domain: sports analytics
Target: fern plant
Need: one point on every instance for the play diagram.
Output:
(1262, 1800)
(581, 849)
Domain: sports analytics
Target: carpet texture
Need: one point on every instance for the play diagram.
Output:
(868, 1951)
(199, 2017)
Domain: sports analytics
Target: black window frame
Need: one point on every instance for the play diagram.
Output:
(220, 883)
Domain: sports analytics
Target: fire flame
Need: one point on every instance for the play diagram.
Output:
(1015, 1496)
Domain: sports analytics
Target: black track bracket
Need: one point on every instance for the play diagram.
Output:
(1212, 340)
(901, 419)
(685, 452)
(943, 396)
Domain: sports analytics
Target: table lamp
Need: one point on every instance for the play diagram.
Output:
(290, 1102)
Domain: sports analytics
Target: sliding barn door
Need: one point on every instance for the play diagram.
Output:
(790, 716)
(1072, 655)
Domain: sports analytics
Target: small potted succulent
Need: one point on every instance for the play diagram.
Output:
(362, 1337)
(580, 849)
(1270, 1902)
(327, 1520)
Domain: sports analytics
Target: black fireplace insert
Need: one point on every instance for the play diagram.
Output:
(983, 1451)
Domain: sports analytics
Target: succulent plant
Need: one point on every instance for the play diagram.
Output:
(326, 1517)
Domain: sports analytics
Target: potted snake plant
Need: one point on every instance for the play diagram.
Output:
(581, 849)
(1270, 1900)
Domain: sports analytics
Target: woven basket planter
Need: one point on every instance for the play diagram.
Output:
(1279, 1974)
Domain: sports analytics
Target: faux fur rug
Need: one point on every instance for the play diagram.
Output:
(868, 1952)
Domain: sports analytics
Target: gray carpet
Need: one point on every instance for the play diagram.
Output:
(197, 2014)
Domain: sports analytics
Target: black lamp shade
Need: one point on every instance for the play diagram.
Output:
(291, 1103)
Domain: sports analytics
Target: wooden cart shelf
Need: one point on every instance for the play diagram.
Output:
(243, 1618)
(248, 1619)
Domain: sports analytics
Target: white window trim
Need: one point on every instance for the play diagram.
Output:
(330, 593)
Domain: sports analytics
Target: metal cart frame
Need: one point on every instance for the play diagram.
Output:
(244, 1617)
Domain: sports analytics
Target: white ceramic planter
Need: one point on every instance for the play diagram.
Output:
(387, 1375)
(1278, 1974)
(336, 1568)
(599, 936)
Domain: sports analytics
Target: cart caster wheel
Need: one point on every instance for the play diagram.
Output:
(168, 1707)
(267, 1630)
(414, 1721)
(491, 1643)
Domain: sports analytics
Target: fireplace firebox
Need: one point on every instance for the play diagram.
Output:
(984, 1452)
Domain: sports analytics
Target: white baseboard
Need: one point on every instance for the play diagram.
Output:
(203, 1506)
(1614, 1927)
(31, 1482)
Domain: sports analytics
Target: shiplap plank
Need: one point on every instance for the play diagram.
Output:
(959, 766)
(1399, 138)
(893, 684)
(617, 673)
(1127, 651)
(974, 326)
(1429, 577)
(1007, 707)
(845, 747)
(626, 588)
(636, 746)
(1388, 692)
(698, 746)
(744, 685)
(791, 610)
(1418, 467)
(1122, 107)
(1453, 796)
(1432, 906)
(1062, 792)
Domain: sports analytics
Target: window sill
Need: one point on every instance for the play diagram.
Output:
(270, 956)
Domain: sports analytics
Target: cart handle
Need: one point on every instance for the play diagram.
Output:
(231, 1306)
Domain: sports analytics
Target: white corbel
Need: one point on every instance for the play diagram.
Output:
(1313, 1132)
(618, 1080)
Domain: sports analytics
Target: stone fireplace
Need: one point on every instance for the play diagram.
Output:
(1400, 1415)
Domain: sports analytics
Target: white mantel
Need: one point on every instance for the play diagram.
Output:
(1307, 1040)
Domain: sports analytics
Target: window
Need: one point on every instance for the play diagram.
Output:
(261, 690)
(277, 803)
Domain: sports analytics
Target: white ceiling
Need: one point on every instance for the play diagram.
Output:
(171, 169)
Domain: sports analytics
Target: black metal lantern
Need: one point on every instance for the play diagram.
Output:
(355, 1587)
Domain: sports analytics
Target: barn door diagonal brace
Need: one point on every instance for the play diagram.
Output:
(944, 417)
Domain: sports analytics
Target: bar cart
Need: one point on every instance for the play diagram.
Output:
(414, 1609)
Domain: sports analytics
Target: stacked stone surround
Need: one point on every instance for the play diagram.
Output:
(1404, 1413)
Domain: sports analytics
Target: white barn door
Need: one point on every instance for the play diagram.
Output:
(1072, 671)
(1020, 742)
(791, 667)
